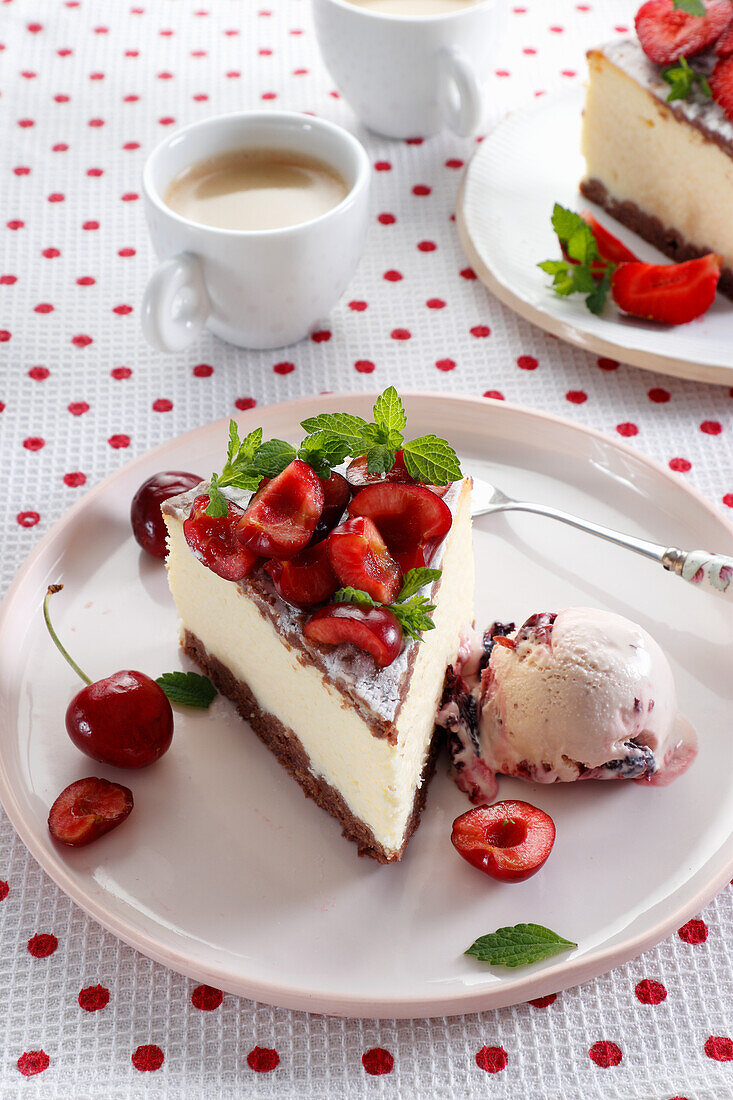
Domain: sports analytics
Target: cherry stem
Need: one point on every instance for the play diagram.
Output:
(52, 589)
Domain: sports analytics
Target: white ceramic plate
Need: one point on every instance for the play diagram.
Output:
(225, 872)
(530, 161)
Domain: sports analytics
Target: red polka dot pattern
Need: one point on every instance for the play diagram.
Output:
(695, 931)
(492, 1059)
(93, 998)
(720, 1048)
(263, 1059)
(206, 998)
(33, 1062)
(4, 890)
(377, 1061)
(650, 992)
(148, 1058)
(544, 1002)
(42, 945)
(605, 1054)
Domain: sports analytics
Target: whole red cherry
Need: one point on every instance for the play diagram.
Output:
(124, 720)
(148, 525)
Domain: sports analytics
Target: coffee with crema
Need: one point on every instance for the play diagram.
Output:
(413, 7)
(255, 189)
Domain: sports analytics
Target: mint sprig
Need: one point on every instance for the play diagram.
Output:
(189, 689)
(428, 459)
(518, 945)
(682, 79)
(413, 612)
(239, 471)
(585, 271)
(692, 7)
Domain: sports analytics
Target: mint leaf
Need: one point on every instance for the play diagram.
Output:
(345, 427)
(218, 505)
(582, 279)
(431, 460)
(414, 616)
(239, 469)
(322, 452)
(596, 300)
(519, 945)
(581, 246)
(682, 79)
(380, 458)
(354, 595)
(692, 7)
(389, 412)
(272, 457)
(565, 222)
(415, 579)
(188, 689)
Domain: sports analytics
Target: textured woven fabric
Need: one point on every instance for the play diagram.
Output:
(86, 90)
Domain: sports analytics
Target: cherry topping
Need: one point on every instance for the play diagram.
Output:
(88, 809)
(214, 541)
(358, 476)
(124, 720)
(359, 557)
(283, 516)
(306, 579)
(509, 841)
(336, 495)
(148, 525)
(409, 518)
(373, 629)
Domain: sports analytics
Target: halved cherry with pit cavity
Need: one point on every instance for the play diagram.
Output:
(409, 518)
(509, 841)
(306, 579)
(87, 809)
(213, 540)
(282, 517)
(359, 557)
(373, 629)
(336, 495)
(358, 476)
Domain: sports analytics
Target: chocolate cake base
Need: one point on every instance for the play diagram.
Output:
(289, 751)
(667, 240)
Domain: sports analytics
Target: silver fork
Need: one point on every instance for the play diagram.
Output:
(711, 572)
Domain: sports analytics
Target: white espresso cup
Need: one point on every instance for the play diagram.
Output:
(411, 75)
(256, 288)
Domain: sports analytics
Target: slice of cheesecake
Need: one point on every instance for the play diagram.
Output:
(665, 170)
(359, 739)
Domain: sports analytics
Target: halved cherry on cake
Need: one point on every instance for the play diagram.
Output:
(359, 557)
(282, 517)
(509, 841)
(306, 579)
(148, 525)
(411, 519)
(373, 629)
(124, 720)
(358, 476)
(87, 809)
(213, 539)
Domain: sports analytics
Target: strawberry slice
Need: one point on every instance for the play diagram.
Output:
(336, 495)
(721, 83)
(282, 517)
(359, 557)
(88, 809)
(665, 33)
(373, 629)
(306, 579)
(669, 293)
(409, 517)
(610, 247)
(358, 476)
(214, 541)
(724, 45)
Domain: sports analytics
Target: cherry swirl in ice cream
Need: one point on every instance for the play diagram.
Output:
(581, 694)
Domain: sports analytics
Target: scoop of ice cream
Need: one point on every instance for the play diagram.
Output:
(583, 694)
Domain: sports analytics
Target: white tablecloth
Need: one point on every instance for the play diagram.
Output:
(86, 90)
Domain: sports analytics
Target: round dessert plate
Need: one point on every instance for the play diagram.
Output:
(226, 873)
(530, 161)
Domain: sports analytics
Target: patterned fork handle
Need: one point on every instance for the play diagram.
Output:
(713, 572)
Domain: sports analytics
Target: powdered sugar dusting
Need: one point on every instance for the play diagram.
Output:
(697, 109)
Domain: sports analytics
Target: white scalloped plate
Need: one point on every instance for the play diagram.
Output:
(226, 873)
(527, 163)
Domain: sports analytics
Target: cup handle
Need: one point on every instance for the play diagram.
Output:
(459, 92)
(176, 304)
